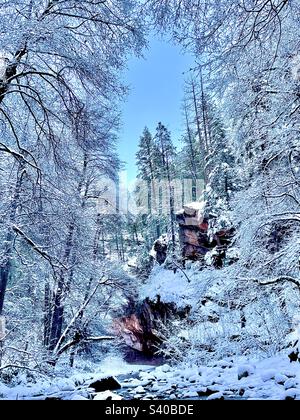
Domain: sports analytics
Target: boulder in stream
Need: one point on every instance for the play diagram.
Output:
(105, 384)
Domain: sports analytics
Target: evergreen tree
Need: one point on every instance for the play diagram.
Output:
(147, 159)
(147, 167)
(167, 172)
(190, 159)
(219, 167)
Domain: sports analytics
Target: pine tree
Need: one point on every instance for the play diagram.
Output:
(190, 159)
(167, 171)
(220, 164)
(147, 159)
(146, 164)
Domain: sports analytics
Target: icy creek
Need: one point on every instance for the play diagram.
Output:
(269, 379)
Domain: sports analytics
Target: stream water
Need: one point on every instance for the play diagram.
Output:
(134, 357)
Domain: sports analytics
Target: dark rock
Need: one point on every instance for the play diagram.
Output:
(206, 393)
(245, 372)
(194, 238)
(243, 375)
(105, 384)
(294, 356)
(161, 249)
(235, 338)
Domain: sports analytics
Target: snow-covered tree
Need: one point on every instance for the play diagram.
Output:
(247, 51)
(59, 93)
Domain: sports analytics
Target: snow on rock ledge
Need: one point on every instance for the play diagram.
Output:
(171, 287)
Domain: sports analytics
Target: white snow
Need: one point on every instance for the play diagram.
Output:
(79, 398)
(191, 394)
(196, 205)
(107, 395)
(280, 379)
(268, 379)
(216, 396)
(140, 390)
(245, 371)
(66, 387)
(171, 287)
(268, 375)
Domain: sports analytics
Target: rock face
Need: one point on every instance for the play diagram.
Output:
(194, 238)
(141, 329)
(131, 330)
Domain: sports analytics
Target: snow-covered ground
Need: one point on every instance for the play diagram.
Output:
(274, 378)
(177, 288)
(270, 379)
(255, 376)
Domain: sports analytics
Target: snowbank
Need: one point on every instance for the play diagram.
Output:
(171, 287)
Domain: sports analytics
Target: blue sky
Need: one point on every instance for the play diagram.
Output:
(156, 94)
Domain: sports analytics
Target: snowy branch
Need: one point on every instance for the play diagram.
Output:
(38, 249)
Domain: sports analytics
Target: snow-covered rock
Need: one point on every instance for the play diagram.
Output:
(155, 388)
(190, 394)
(245, 371)
(280, 379)
(292, 393)
(135, 383)
(166, 368)
(79, 398)
(107, 395)
(191, 373)
(224, 364)
(146, 376)
(268, 375)
(194, 379)
(216, 396)
(66, 385)
(290, 383)
(140, 390)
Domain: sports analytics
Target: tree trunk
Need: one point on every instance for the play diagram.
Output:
(5, 266)
(53, 329)
(193, 159)
(203, 146)
(57, 308)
